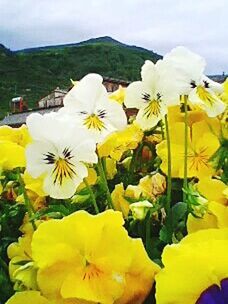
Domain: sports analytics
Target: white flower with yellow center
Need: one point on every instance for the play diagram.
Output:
(151, 95)
(89, 104)
(59, 151)
(188, 78)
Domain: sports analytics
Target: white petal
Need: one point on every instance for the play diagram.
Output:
(134, 95)
(86, 93)
(69, 185)
(50, 127)
(116, 117)
(149, 74)
(35, 154)
(213, 110)
(215, 86)
(85, 152)
(188, 67)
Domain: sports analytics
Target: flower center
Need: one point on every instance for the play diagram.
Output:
(91, 271)
(205, 96)
(198, 159)
(215, 294)
(153, 108)
(93, 121)
(63, 168)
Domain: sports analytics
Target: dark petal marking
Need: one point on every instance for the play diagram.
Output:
(49, 158)
(146, 96)
(159, 96)
(67, 153)
(215, 294)
(101, 113)
(83, 112)
(193, 84)
(206, 84)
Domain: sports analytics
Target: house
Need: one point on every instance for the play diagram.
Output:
(50, 103)
(55, 98)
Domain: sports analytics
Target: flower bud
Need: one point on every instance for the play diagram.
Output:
(139, 210)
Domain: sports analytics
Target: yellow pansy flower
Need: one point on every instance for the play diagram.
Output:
(34, 184)
(23, 276)
(213, 190)
(12, 155)
(176, 115)
(118, 95)
(91, 179)
(224, 95)
(12, 144)
(90, 265)
(118, 200)
(195, 270)
(140, 276)
(119, 142)
(28, 297)
(216, 216)
(19, 135)
(202, 144)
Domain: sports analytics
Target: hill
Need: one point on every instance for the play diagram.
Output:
(34, 72)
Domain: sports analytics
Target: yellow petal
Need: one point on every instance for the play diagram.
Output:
(212, 189)
(11, 155)
(192, 266)
(119, 202)
(207, 221)
(34, 184)
(140, 276)
(27, 297)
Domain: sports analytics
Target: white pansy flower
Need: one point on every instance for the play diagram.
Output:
(188, 79)
(151, 96)
(59, 152)
(88, 102)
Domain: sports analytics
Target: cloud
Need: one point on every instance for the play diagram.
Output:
(155, 24)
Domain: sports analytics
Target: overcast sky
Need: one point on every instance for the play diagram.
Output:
(159, 25)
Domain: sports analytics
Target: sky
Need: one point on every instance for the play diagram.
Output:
(159, 25)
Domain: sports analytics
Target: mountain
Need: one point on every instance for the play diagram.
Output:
(103, 40)
(4, 51)
(35, 72)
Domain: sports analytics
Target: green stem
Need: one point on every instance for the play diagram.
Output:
(105, 183)
(169, 177)
(162, 131)
(134, 159)
(148, 235)
(92, 196)
(28, 204)
(185, 183)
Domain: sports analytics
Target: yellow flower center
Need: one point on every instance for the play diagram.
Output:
(94, 122)
(198, 159)
(205, 96)
(91, 271)
(153, 108)
(63, 169)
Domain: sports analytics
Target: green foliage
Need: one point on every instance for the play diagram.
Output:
(34, 74)
(11, 217)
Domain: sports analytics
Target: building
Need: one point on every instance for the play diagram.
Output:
(55, 98)
(18, 119)
(50, 103)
